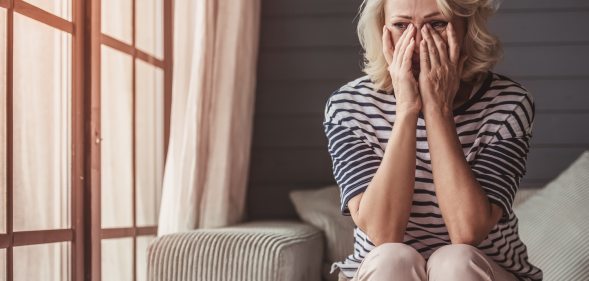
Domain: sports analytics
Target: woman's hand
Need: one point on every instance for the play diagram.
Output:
(398, 58)
(441, 69)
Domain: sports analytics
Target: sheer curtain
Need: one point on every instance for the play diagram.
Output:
(215, 55)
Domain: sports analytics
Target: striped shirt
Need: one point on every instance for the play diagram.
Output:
(494, 127)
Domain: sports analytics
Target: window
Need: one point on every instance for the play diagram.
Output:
(85, 102)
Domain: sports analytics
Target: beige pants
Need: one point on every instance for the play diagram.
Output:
(456, 262)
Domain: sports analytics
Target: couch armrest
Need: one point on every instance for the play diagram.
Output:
(253, 251)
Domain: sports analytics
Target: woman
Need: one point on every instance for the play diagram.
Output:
(430, 146)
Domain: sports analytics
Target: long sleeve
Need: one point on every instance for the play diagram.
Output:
(500, 165)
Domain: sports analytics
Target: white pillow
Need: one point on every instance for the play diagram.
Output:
(554, 224)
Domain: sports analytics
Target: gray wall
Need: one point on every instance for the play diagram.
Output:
(308, 48)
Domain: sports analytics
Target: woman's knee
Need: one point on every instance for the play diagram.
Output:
(390, 260)
(457, 260)
(396, 253)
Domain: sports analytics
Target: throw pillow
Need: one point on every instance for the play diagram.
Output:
(554, 226)
(321, 208)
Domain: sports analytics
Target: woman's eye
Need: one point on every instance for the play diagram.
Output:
(439, 24)
(400, 25)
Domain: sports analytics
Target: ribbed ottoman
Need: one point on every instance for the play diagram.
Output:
(253, 251)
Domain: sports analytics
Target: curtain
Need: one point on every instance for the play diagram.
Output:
(215, 55)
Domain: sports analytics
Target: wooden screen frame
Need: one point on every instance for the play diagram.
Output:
(85, 233)
(95, 233)
(75, 233)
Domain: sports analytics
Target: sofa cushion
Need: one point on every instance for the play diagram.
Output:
(320, 208)
(554, 226)
(261, 251)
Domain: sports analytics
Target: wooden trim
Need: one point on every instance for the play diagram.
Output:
(4, 4)
(9, 134)
(112, 233)
(146, 230)
(149, 58)
(43, 16)
(4, 241)
(130, 50)
(168, 69)
(128, 232)
(116, 44)
(78, 173)
(93, 219)
(23, 238)
(134, 140)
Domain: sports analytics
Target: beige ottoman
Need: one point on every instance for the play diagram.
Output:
(254, 251)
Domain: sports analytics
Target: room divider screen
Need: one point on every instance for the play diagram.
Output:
(85, 92)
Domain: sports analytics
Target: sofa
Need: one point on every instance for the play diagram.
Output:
(553, 222)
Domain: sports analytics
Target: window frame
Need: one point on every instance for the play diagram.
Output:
(85, 233)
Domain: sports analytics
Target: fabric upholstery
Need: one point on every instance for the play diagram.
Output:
(257, 251)
(554, 224)
(320, 208)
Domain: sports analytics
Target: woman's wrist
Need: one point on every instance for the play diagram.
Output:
(407, 111)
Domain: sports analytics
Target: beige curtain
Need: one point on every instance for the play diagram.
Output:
(215, 55)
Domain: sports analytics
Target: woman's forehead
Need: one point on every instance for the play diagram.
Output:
(412, 8)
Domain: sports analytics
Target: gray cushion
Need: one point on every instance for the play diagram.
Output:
(523, 194)
(320, 208)
(554, 224)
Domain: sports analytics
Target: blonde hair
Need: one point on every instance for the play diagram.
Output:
(482, 48)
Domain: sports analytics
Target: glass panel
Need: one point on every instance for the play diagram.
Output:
(2, 122)
(60, 8)
(42, 134)
(117, 259)
(116, 145)
(149, 27)
(150, 141)
(142, 244)
(2, 264)
(117, 18)
(43, 262)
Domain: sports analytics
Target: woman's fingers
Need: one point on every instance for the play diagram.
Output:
(453, 44)
(431, 47)
(441, 46)
(405, 43)
(424, 63)
(407, 56)
(387, 45)
(400, 46)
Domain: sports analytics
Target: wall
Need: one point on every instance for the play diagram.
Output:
(309, 48)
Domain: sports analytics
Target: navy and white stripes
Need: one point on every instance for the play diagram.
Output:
(494, 127)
